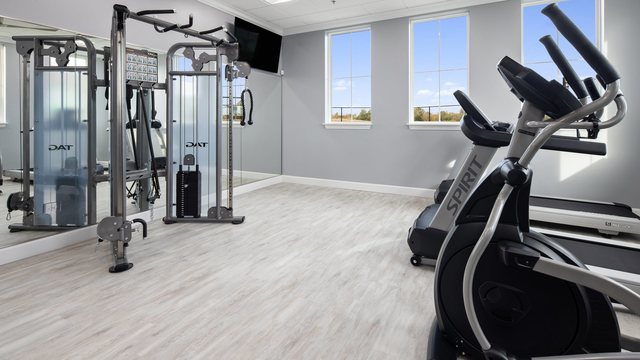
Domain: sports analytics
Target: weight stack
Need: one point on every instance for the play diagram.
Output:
(188, 193)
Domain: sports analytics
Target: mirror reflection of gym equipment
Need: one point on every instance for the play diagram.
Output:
(17, 223)
(63, 123)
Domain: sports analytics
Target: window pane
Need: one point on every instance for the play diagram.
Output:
(453, 43)
(341, 114)
(582, 69)
(547, 70)
(425, 96)
(341, 92)
(361, 53)
(340, 56)
(535, 26)
(425, 89)
(351, 76)
(450, 81)
(425, 46)
(361, 92)
(361, 114)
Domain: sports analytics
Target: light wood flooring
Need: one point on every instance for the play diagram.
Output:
(103, 206)
(313, 273)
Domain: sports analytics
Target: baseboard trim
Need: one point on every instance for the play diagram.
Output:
(352, 185)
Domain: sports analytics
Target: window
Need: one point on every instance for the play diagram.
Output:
(348, 59)
(3, 70)
(439, 67)
(535, 25)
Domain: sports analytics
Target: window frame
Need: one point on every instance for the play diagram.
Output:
(434, 125)
(349, 125)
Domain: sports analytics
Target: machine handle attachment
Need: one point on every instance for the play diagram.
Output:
(592, 88)
(156, 12)
(589, 52)
(565, 68)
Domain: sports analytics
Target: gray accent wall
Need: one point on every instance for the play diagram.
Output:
(389, 153)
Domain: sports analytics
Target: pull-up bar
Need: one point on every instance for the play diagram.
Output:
(164, 26)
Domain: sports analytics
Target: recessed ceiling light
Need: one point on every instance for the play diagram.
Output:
(273, 2)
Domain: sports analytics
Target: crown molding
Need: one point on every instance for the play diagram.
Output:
(400, 13)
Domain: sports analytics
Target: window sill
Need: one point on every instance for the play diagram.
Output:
(448, 126)
(348, 126)
(3, 125)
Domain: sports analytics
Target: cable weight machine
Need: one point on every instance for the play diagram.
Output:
(194, 146)
(117, 228)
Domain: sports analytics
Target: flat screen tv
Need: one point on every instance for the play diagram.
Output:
(259, 47)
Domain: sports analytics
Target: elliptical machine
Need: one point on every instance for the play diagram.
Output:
(522, 296)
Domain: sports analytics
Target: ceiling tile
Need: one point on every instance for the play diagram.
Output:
(312, 14)
(383, 6)
(414, 3)
(291, 22)
(333, 15)
(245, 4)
(302, 7)
(269, 13)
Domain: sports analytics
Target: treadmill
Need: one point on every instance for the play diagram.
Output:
(613, 258)
(609, 219)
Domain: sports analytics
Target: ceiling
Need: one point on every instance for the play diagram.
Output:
(297, 16)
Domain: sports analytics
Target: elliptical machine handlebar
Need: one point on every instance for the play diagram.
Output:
(604, 71)
(580, 42)
(569, 121)
(565, 68)
(592, 88)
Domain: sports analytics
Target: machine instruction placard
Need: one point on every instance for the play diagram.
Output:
(142, 65)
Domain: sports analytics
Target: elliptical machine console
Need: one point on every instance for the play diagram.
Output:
(503, 291)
